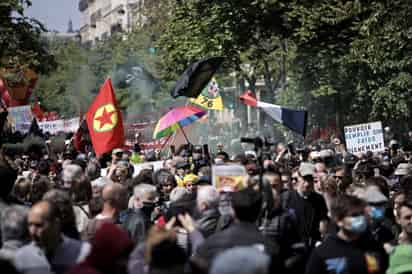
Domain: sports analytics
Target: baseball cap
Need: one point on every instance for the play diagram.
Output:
(306, 169)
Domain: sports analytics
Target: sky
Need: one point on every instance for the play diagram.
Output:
(55, 14)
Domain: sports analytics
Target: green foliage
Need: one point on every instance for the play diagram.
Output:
(20, 43)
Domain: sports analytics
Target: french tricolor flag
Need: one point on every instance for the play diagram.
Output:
(293, 119)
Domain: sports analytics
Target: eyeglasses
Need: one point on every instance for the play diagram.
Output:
(294, 179)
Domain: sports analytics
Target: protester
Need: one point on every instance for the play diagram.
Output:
(50, 251)
(109, 253)
(208, 207)
(138, 218)
(342, 252)
(115, 199)
(247, 205)
(13, 231)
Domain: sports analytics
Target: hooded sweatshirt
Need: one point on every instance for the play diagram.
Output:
(110, 244)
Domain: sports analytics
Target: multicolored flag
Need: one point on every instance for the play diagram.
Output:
(104, 121)
(293, 119)
(210, 97)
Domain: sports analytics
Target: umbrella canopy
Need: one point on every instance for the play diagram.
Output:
(177, 118)
(196, 77)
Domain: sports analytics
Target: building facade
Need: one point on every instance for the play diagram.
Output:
(101, 18)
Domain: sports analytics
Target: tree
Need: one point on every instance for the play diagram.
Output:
(20, 44)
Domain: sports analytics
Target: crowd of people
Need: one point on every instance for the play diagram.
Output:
(314, 210)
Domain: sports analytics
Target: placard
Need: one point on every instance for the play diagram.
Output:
(364, 137)
(229, 178)
(20, 118)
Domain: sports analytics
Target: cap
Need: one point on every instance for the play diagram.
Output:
(190, 178)
(371, 195)
(306, 169)
(117, 150)
(403, 169)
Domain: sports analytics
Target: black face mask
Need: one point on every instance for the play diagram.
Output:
(148, 208)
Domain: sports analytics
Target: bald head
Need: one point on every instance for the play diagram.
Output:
(44, 225)
(45, 210)
(115, 195)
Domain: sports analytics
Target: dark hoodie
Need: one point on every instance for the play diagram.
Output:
(110, 245)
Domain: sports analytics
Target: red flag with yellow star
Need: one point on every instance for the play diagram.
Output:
(104, 121)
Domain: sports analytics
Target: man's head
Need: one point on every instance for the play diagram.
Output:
(117, 155)
(274, 179)
(144, 194)
(72, 174)
(305, 181)
(247, 204)
(349, 215)
(115, 196)
(245, 260)
(44, 225)
(207, 198)
(14, 223)
(405, 217)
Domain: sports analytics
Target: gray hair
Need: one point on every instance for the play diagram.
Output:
(72, 173)
(14, 224)
(139, 191)
(101, 182)
(208, 195)
(178, 193)
(241, 260)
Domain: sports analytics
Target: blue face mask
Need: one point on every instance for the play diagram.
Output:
(358, 224)
(377, 213)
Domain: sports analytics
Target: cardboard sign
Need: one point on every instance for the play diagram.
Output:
(229, 178)
(20, 118)
(364, 137)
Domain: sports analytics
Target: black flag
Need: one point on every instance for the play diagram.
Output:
(196, 77)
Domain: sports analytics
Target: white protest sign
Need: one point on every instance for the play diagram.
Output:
(364, 137)
(71, 125)
(21, 118)
(53, 127)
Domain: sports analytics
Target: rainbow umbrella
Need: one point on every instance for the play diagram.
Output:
(177, 118)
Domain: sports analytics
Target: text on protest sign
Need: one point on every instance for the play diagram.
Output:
(364, 137)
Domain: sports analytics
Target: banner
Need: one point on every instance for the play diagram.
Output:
(210, 97)
(364, 137)
(54, 127)
(20, 118)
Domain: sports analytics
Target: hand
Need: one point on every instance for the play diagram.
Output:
(187, 222)
(171, 223)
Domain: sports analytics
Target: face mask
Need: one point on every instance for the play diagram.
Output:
(148, 208)
(358, 224)
(377, 213)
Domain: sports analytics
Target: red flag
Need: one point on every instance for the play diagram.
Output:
(249, 98)
(104, 121)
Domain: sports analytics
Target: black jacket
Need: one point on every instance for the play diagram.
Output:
(307, 213)
(208, 222)
(281, 228)
(136, 223)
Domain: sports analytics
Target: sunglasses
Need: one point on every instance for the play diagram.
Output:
(294, 179)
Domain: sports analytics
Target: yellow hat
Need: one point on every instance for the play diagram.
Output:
(190, 178)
